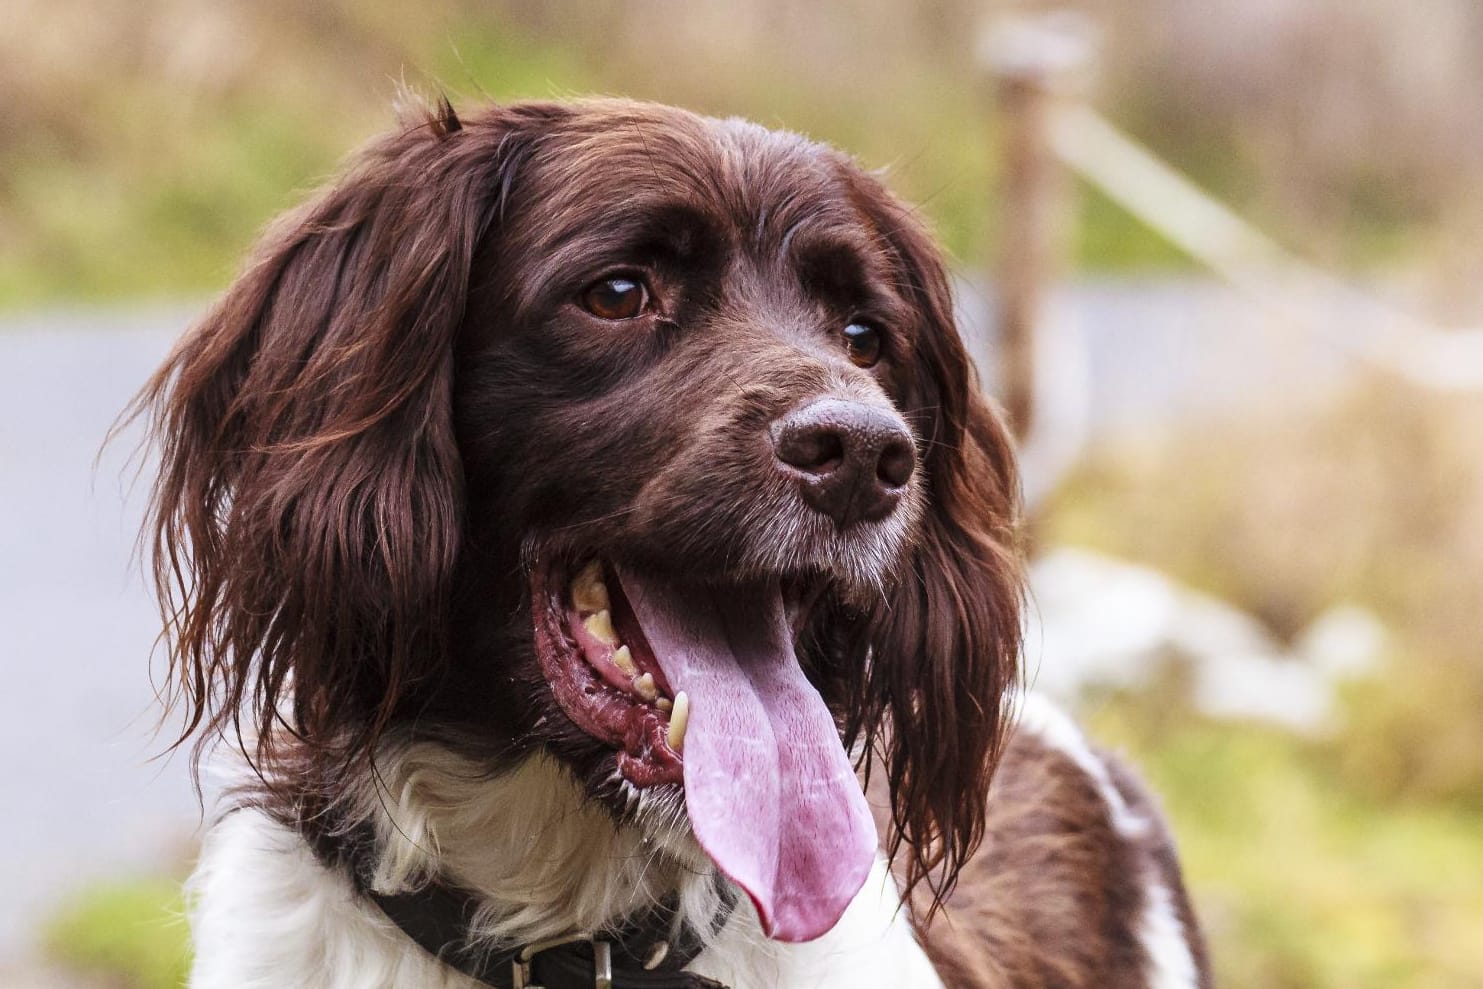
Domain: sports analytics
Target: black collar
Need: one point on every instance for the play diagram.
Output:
(642, 954)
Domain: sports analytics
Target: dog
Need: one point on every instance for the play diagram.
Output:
(561, 516)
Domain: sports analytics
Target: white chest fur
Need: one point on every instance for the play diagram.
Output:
(266, 914)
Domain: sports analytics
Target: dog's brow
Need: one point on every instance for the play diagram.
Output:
(835, 265)
(676, 228)
(787, 242)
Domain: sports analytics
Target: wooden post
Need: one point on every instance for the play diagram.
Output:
(1033, 63)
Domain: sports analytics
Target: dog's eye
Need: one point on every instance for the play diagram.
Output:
(620, 297)
(864, 343)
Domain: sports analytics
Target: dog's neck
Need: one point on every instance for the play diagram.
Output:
(543, 859)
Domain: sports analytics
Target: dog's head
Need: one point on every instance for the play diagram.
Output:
(608, 430)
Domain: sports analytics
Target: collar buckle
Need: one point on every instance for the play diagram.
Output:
(602, 962)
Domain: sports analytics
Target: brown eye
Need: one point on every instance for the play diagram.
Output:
(864, 343)
(616, 298)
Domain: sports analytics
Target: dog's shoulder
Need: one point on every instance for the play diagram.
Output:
(1077, 882)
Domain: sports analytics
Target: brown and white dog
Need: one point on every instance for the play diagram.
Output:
(557, 513)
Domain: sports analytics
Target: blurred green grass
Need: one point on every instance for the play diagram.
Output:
(1354, 858)
(1373, 498)
(1303, 881)
(163, 192)
(129, 934)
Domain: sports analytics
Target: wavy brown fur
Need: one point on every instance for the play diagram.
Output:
(356, 450)
(947, 643)
(1055, 896)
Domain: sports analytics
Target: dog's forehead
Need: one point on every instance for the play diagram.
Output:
(613, 159)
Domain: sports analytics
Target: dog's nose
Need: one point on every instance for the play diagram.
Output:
(852, 460)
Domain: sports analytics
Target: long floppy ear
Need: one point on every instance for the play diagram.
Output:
(944, 646)
(308, 511)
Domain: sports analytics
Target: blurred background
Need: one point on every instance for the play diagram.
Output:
(1222, 263)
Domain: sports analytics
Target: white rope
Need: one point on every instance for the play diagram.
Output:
(1177, 209)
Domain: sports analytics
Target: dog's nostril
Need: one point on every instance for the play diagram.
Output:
(897, 462)
(812, 447)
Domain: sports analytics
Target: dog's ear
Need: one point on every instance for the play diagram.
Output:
(309, 505)
(940, 653)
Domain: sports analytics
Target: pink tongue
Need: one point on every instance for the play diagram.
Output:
(770, 791)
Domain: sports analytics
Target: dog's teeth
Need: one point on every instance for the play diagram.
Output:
(679, 720)
(645, 686)
(600, 625)
(589, 593)
(664, 704)
(623, 659)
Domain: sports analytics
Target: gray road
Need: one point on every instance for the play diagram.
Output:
(76, 703)
(82, 799)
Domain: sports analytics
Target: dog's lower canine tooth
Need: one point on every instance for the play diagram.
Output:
(623, 659)
(588, 591)
(645, 686)
(679, 720)
(601, 627)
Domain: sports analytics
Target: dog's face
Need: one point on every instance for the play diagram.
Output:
(642, 438)
(683, 323)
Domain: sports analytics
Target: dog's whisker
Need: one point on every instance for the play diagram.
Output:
(598, 520)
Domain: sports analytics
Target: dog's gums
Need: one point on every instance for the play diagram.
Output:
(605, 675)
(606, 680)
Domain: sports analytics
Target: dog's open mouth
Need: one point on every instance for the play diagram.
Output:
(700, 685)
(604, 674)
